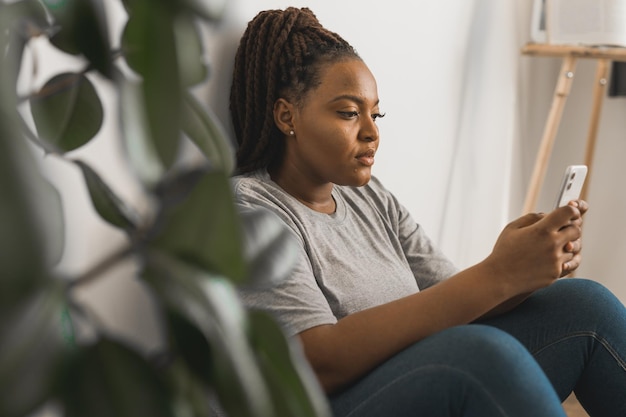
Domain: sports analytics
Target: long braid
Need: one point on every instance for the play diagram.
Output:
(278, 55)
(268, 129)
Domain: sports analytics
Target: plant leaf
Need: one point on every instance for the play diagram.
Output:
(22, 259)
(150, 48)
(191, 397)
(12, 50)
(110, 379)
(140, 149)
(204, 228)
(83, 29)
(50, 210)
(294, 387)
(67, 111)
(203, 128)
(270, 248)
(19, 22)
(211, 304)
(190, 51)
(31, 350)
(27, 17)
(30, 208)
(190, 342)
(107, 204)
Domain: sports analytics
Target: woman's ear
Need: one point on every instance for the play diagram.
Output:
(284, 116)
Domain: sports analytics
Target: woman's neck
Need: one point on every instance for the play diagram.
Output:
(317, 197)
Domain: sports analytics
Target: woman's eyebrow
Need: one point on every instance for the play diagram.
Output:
(351, 97)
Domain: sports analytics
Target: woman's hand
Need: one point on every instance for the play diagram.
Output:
(536, 249)
(574, 247)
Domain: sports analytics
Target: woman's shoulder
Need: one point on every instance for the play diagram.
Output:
(256, 189)
(373, 192)
(251, 177)
(251, 183)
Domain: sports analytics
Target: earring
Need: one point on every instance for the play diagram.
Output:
(291, 133)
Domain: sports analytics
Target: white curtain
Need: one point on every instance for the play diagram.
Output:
(477, 198)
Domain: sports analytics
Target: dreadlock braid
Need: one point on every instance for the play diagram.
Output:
(278, 56)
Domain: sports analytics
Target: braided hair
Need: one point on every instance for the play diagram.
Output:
(279, 55)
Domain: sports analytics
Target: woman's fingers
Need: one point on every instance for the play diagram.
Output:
(574, 246)
(571, 265)
(581, 205)
(562, 217)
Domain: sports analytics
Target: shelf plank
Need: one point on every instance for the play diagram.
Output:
(578, 51)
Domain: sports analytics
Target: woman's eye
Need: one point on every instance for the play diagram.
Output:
(349, 114)
(353, 114)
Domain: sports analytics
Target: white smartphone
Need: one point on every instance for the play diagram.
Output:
(572, 184)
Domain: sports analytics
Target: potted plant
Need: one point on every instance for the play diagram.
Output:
(191, 246)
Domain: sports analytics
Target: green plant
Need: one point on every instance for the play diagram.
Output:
(192, 246)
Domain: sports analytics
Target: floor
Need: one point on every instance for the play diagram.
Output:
(573, 408)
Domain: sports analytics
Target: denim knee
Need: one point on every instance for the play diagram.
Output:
(487, 350)
(498, 372)
(584, 304)
(465, 370)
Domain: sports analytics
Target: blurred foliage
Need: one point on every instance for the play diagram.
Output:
(193, 247)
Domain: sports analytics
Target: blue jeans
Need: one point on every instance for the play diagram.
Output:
(568, 337)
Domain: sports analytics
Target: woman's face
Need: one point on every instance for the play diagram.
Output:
(336, 136)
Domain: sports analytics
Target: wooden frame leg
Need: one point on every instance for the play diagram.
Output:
(563, 87)
(599, 89)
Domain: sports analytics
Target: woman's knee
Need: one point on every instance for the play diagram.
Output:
(479, 349)
(470, 368)
(582, 289)
(583, 298)
(488, 365)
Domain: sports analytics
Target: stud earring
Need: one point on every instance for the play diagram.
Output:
(291, 133)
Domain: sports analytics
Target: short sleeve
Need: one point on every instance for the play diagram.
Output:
(297, 302)
(428, 263)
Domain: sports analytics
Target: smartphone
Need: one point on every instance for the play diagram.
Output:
(572, 184)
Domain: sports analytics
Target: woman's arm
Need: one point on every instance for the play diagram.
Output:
(529, 254)
(573, 247)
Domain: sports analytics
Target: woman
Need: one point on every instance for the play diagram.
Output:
(388, 324)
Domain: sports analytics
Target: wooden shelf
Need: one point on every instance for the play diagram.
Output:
(569, 55)
(576, 51)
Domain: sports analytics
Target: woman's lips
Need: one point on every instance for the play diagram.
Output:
(366, 158)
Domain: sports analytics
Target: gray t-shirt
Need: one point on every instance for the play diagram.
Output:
(369, 252)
